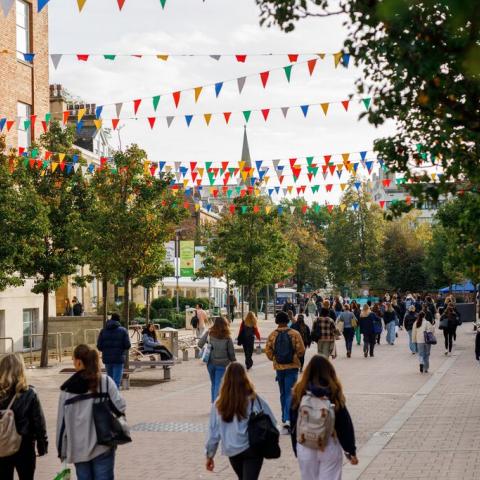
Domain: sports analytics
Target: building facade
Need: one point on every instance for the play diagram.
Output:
(24, 97)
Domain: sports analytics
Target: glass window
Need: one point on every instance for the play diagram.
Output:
(30, 327)
(24, 111)
(23, 28)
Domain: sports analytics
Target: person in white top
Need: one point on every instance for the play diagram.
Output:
(420, 327)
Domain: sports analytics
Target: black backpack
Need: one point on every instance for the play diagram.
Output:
(194, 321)
(263, 436)
(283, 350)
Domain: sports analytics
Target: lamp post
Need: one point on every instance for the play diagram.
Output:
(177, 265)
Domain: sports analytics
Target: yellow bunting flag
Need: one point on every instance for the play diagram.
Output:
(200, 171)
(244, 174)
(343, 206)
(61, 157)
(325, 107)
(185, 183)
(241, 164)
(207, 117)
(337, 57)
(434, 176)
(198, 91)
(339, 167)
(345, 157)
(268, 208)
(81, 113)
(146, 167)
(81, 4)
(54, 166)
(98, 123)
(321, 55)
(197, 207)
(343, 186)
(162, 57)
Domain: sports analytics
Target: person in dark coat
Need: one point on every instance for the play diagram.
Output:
(77, 307)
(114, 344)
(408, 322)
(303, 329)
(17, 395)
(288, 305)
(367, 329)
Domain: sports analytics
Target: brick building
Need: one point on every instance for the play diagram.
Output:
(24, 91)
(24, 87)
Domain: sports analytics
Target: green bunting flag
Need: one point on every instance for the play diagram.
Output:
(244, 208)
(162, 3)
(366, 102)
(288, 72)
(156, 100)
(246, 114)
(109, 57)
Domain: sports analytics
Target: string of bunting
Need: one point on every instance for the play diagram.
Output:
(243, 115)
(41, 4)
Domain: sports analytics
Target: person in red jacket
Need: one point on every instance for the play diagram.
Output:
(246, 337)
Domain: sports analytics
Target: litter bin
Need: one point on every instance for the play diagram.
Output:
(189, 314)
(168, 337)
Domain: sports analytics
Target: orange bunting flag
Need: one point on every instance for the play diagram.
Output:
(115, 122)
(151, 121)
(198, 91)
(408, 200)
(66, 114)
(280, 179)
(136, 105)
(256, 209)
(265, 113)
(81, 4)
(325, 107)
(330, 208)
(345, 157)
(162, 57)
(304, 208)
(345, 104)
(264, 77)
(227, 116)
(207, 117)
(311, 65)
(98, 123)
(176, 98)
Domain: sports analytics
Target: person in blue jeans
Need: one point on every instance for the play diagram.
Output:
(285, 347)
(390, 319)
(114, 343)
(221, 355)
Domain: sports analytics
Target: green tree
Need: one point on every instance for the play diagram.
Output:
(57, 195)
(252, 246)
(132, 216)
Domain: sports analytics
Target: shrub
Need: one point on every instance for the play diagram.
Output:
(161, 302)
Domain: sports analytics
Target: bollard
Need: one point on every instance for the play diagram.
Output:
(198, 352)
(258, 350)
(185, 355)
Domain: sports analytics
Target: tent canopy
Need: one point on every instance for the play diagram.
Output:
(459, 287)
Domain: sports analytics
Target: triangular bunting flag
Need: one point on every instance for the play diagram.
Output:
(311, 65)
(226, 115)
(151, 121)
(6, 6)
(264, 78)
(98, 123)
(56, 57)
(345, 104)
(304, 109)
(81, 4)
(288, 72)
(246, 114)
(265, 112)
(118, 109)
(216, 57)
(241, 58)
(188, 119)
(366, 103)
(325, 107)
(241, 83)
(284, 111)
(207, 117)
(155, 101)
(176, 98)
(336, 58)
(218, 88)
(136, 105)
(170, 120)
(120, 3)
(197, 92)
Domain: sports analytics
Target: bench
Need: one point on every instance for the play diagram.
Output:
(125, 376)
(165, 364)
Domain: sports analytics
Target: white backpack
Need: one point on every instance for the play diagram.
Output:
(316, 422)
(10, 440)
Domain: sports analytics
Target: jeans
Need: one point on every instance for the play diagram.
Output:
(423, 350)
(411, 345)
(286, 380)
(247, 465)
(216, 373)
(317, 465)
(100, 468)
(23, 462)
(391, 332)
(348, 334)
(369, 343)
(448, 335)
(115, 372)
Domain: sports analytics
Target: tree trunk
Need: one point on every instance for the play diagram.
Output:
(44, 355)
(256, 302)
(104, 300)
(267, 300)
(126, 300)
(148, 305)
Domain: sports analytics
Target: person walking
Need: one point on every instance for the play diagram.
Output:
(390, 320)
(222, 352)
(114, 343)
(378, 326)
(285, 348)
(311, 309)
(229, 423)
(304, 330)
(202, 319)
(288, 305)
(448, 323)
(152, 345)
(408, 322)
(246, 337)
(367, 329)
(323, 428)
(76, 435)
(324, 333)
(356, 310)
(77, 307)
(16, 395)
(421, 328)
(232, 304)
(347, 323)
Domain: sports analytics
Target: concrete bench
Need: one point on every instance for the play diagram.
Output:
(125, 376)
(165, 364)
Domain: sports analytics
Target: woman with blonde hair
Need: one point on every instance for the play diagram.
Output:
(18, 396)
(246, 337)
(221, 352)
(319, 385)
(229, 423)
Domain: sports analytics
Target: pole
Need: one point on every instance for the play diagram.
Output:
(267, 298)
(242, 303)
(209, 293)
(177, 269)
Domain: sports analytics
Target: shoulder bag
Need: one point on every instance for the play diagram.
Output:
(263, 435)
(206, 351)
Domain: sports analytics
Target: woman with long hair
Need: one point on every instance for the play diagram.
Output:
(304, 330)
(420, 327)
(229, 421)
(349, 323)
(151, 343)
(355, 309)
(367, 328)
(320, 381)
(76, 434)
(246, 337)
(18, 396)
(449, 322)
(390, 319)
(222, 352)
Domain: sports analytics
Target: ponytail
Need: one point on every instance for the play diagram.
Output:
(420, 318)
(91, 362)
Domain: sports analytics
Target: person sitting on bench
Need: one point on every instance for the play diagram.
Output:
(152, 345)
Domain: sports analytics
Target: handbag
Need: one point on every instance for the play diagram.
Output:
(429, 338)
(110, 424)
(263, 435)
(206, 351)
(443, 323)
(340, 326)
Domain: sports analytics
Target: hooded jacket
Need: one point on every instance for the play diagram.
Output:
(29, 418)
(76, 435)
(409, 320)
(343, 423)
(113, 342)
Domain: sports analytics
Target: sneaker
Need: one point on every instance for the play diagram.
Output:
(349, 354)
(421, 368)
(365, 354)
(446, 352)
(425, 371)
(414, 353)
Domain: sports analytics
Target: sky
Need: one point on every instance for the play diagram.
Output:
(210, 27)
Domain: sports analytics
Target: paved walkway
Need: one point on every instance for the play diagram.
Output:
(408, 425)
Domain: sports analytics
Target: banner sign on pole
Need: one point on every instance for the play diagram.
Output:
(187, 258)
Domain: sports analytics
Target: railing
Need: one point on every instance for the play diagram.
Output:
(57, 345)
(12, 343)
(87, 331)
(71, 336)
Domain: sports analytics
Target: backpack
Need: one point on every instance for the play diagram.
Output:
(10, 440)
(316, 422)
(283, 348)
(263, 436)
(194, 321)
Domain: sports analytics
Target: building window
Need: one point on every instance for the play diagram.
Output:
(24, 111)
(30, 328)
(23, 29)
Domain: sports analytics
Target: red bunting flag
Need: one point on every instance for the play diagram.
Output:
(226, 178)
(345, 104)
(232, 209)
(408, 200)
(10, 124)
(327, 159)
(311, 65)
(82, 58)
(48, 155)
(115, 122)
(293, 57)
(21, 151)
(153, 168)
(176, 98)
(136, 105)
(44, 126)
(256, 209)
(264, 77)
(328, 187)
(296, 172)
(66, 114)
(227, 116)
(62, 166)
(120, 4)
(151, 121)
(330, 208)
(224, 165)
(265, 113)
(186, 205)
(386, 182)
(382, 203)
(194, 176)
(241, 58)
(193, 166)
(280, 179)
(33, 119)
(293, 161)
(332, 169)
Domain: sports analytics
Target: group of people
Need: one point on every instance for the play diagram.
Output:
(73, 308)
